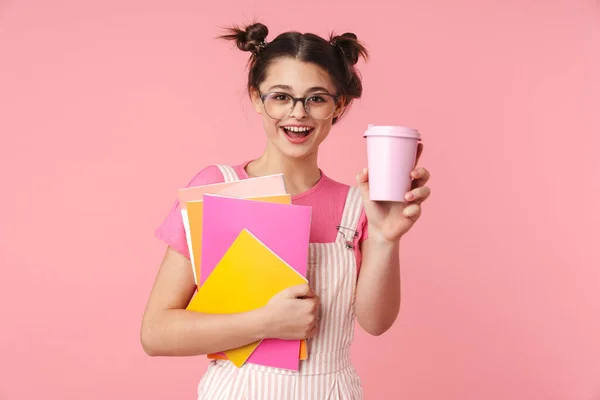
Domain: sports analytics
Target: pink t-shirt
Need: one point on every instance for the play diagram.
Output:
(327, 199)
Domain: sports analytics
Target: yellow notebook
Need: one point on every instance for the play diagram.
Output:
(245, 279)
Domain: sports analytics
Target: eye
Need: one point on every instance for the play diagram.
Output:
(280, 97)
(317, 99)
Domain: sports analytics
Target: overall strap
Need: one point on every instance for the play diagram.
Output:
(229, 173)
(348, 228)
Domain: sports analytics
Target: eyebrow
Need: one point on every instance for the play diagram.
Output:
(312, 89)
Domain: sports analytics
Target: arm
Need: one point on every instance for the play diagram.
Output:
(378, 289)
(170, 330)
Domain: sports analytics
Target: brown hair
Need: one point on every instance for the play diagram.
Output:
(337, 56)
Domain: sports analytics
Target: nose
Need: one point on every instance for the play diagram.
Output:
(298, 110)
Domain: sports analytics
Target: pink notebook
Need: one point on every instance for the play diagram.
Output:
(284, 228)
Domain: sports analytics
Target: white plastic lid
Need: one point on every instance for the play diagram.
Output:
(392, 131)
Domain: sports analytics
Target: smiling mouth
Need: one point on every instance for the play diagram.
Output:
(297, 132)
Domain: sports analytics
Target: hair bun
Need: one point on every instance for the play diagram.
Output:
(250, 38)
(349, 46)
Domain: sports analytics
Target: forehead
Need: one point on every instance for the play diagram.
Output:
(298, 75)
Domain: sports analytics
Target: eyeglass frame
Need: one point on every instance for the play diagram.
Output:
(335, 98)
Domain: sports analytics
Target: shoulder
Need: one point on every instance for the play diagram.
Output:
(219, 173)
(172, 230)
(207, 176)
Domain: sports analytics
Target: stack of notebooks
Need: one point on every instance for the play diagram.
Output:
(247, 242)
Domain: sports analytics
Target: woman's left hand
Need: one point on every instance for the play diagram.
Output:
(391, 220)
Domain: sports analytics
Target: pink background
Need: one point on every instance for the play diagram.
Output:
(108, 107)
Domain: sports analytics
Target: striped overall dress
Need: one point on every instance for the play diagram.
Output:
(327, 374)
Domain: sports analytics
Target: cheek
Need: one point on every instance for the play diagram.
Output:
(270, 126)
(324, 129)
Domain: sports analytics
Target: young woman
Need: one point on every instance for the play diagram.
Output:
(301, 85)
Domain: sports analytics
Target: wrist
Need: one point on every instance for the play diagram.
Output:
(261, 321)
(381, 240)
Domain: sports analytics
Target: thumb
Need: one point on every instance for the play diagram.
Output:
(362, 179)
(298, 291)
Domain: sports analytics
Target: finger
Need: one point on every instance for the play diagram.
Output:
(420, 173)
(418, 195)
(420, 177)
(412, 211)
(362, 176)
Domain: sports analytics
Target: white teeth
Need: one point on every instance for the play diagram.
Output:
(297, 128)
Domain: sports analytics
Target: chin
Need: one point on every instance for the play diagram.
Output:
(296, 153)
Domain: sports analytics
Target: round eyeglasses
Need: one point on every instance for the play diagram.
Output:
(280, 105)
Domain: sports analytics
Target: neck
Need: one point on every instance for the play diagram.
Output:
(299, 174)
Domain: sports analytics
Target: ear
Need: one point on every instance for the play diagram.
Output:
(256, 101)
(339, 107)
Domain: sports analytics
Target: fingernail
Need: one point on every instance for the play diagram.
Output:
(364, 171)
(409, 196)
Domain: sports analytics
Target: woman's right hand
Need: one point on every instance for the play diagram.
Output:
(292, 314)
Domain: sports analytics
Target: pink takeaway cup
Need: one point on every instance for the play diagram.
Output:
(391, 156)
